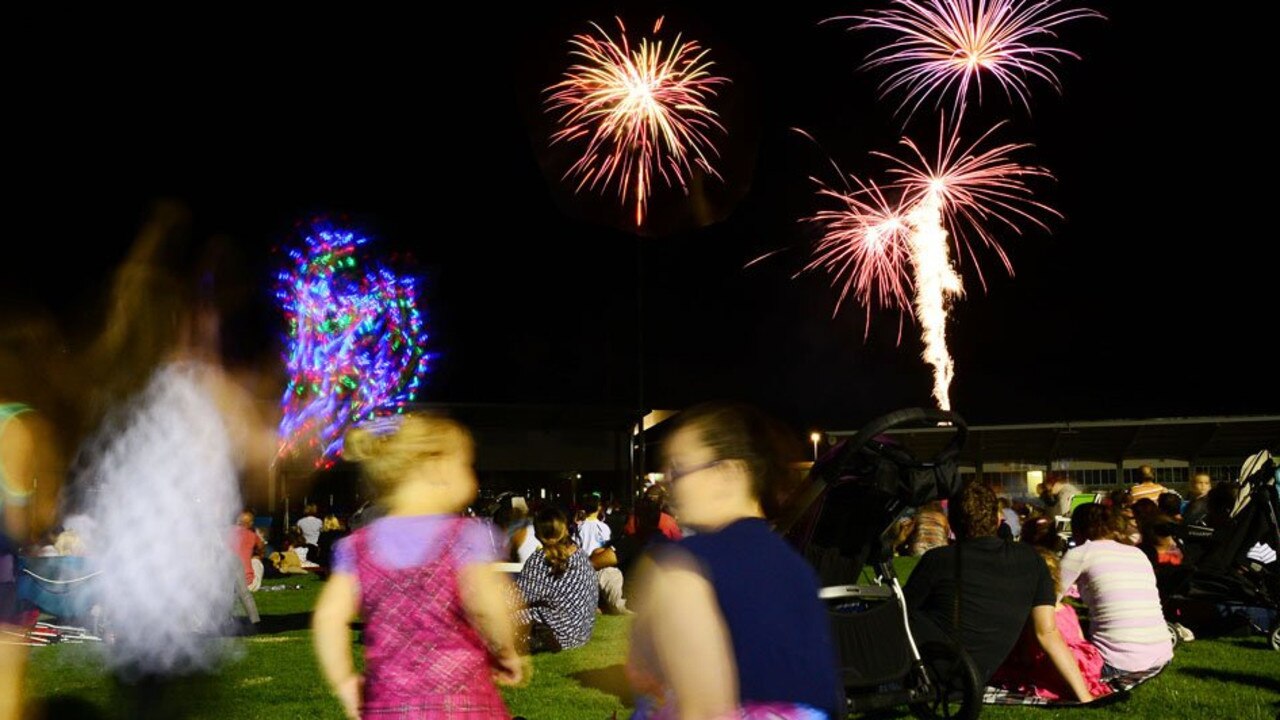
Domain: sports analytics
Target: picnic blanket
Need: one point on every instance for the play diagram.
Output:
(1120, 684)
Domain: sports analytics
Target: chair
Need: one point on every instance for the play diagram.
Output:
(1062, 523)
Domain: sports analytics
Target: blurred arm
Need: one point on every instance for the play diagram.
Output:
(337, 606)
(1046, 628)
(689, 642)
(486, 596)
(31, 470)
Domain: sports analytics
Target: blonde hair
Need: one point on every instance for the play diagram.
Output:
(1055, 566)
(69, 543)
(389, 448)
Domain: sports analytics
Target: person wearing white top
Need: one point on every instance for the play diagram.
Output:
(593, 539)
(528, 547)
(593, 535)
(1057, 493)
(310, 525)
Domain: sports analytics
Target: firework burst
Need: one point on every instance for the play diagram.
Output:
(864, 245)
(640, 111)
(356, 341)
(947, 46)
(975, 187)
(893, 249)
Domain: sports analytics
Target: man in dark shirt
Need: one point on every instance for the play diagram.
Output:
(1002, 586)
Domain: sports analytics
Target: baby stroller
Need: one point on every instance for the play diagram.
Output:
(1234, 565)
(843, 520)
(60, 587)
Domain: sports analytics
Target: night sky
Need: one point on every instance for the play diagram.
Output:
(1153, 297)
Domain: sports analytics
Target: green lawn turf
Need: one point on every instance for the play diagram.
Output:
(275, 676)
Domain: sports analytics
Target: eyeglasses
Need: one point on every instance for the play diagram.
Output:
(673, 473)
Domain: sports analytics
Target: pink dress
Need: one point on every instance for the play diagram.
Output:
(423, 659)
(1029, 670)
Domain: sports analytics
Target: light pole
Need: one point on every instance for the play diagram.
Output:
(815, 437)
(638, 460)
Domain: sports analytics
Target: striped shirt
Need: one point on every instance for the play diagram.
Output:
(1118, 585)
(1147, 491)
(931, 531)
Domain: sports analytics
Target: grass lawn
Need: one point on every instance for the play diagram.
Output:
(276, 677)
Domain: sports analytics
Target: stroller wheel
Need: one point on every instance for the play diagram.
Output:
(956, 689)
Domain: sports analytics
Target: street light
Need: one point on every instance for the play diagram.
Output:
(815, 437)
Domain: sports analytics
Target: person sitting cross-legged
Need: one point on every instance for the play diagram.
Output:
(999, 586)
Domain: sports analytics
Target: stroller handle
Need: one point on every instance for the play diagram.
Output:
(828, 469)
(912, 416)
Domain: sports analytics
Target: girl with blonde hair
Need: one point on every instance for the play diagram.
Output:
(438, 630)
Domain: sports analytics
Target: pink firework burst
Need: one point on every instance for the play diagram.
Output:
(864, 246)
(894, 250)
(641, 111)
(946, 46)
(973, 187)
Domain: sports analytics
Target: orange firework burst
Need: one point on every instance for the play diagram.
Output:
(642, 112)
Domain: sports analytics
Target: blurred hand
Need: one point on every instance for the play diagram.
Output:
(349, 694)
(510, 668)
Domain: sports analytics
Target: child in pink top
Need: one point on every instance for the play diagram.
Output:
(438, 630)
(1028, 670)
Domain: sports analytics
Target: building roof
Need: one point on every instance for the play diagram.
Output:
(1190, 439)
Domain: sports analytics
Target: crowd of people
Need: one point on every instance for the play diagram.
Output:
(480, 594)
(454, 596)
(726, 616)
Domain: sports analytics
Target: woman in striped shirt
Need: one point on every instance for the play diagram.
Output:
(1118, 585)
